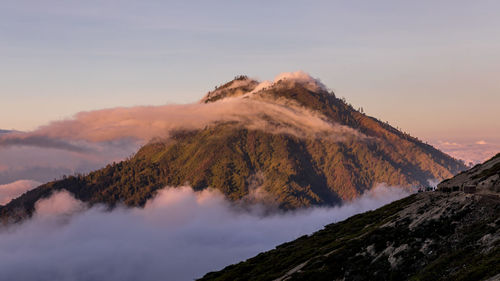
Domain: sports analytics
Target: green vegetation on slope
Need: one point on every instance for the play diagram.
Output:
(391, 243)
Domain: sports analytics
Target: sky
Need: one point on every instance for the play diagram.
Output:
(430, 68)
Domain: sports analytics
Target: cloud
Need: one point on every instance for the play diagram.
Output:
(26, 139)
(4, 131)
(147, 122)
(59, 204)
(179, 235)
(433, 182)
(44, 164)
(15, 189)
(470, 151)
(301, 77)
(447, 143)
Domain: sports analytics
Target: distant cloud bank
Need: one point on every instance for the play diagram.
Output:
(469, 150)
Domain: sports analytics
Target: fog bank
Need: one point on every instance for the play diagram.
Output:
(179, 235)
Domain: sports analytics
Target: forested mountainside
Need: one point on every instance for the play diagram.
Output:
(279, 167)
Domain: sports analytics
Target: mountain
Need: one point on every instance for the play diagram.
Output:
(483, 178)
(297, 145)
(437, 235)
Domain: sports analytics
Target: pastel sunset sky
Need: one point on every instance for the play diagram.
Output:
(431, 68)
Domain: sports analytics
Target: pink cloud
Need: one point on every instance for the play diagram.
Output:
(470, 151)
(15, 189)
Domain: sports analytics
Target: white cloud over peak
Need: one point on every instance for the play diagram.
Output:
(301, 77)
(146, 122)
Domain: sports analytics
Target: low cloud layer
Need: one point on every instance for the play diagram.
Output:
(44, 164)
(179, 235)
(15, 189)
(147, 122)
(23, 139)
(471, 151)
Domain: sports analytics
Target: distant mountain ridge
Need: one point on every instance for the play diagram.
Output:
(279, 163)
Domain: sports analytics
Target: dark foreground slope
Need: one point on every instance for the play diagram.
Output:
(426, 236)
(484, 178)
(288, 170)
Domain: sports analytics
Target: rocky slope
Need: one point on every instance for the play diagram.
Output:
(427, 236)
(482, 178)
(302, 147)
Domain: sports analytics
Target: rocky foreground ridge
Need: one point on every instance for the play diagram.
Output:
(484, 178)
(440, 235)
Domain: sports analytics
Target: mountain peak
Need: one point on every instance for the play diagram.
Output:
(245, 86)
(256, 147)
(240, 85)
(302, 78)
